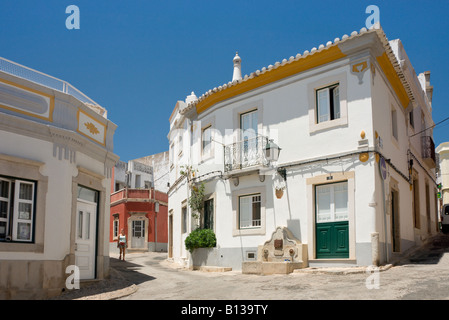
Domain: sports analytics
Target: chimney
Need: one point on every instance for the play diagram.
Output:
(237, 68)
(191, 98)
(429, 88)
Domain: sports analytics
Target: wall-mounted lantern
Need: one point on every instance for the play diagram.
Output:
(272, 151)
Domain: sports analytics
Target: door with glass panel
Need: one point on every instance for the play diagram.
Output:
(248, 144)
(332, 226)
(138, 234)
(86, 215)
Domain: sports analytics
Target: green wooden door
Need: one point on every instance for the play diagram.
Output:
(332, 240)
(332, 226)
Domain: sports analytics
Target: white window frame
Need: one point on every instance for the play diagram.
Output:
(180, 144)
(394, 123)
(115, 228)
(333, 215)
(184, 219)
(172, 155)
(15, 218)
(206, 153)
(256, 230)
(254, 123)
(8, 205)
(330, 115)
(339, 79)
(251, 222)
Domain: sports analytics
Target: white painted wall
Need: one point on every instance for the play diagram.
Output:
(284, 111)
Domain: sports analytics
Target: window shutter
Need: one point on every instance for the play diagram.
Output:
(323, 105)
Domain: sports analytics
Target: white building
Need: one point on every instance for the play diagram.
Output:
(344, 114)
(56, 158)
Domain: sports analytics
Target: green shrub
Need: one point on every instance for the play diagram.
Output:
(200, 238)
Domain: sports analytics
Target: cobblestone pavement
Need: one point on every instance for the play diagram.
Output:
(150, 276)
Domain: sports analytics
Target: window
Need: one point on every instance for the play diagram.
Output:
(328, 103)
(208, 215)
(180, 143)
(184, 220)
(16, 209)
(206, 139)
(249, 211)
(138, 228)
(331, 202)
(394, 124)
(248, 125)
(115, 228)
(416, 212)
(249, 148)
(411, 119)
(172, 154)
(137, 182)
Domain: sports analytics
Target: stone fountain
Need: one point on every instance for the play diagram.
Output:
(282, 254)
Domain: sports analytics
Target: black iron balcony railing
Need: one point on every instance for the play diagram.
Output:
(246, 153)
(428, 151)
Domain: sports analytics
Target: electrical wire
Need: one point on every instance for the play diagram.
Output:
(430, 127)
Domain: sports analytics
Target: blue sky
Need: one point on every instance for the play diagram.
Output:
(136, 58)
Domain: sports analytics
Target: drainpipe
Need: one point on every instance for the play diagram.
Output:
(385, 215)
(155, 213)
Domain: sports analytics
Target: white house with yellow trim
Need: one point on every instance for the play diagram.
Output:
(56, 157)
(355, 166)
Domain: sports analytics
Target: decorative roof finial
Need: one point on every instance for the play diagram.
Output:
(237, 76)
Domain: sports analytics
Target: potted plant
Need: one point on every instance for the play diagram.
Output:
(279, 190)
(200, 238)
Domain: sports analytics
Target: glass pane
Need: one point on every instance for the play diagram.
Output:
(184, 219)
(341, 201)
(206, 140)
(209, 214)
(137, 228)
(245, 212)
(87, 194)
(26, 191)
(87, 236)
(249, 125)
(2, 229)
(336, 101)
(323, 204)
(256, 211)
(25, 211)
(4, 189)
(24, 231)
(115, 228)
(3, 209)
(80, 224)
(323, 105)
(394, 123)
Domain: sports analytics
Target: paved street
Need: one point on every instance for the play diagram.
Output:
(424, 275)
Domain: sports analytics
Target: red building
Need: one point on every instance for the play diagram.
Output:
(143, 214)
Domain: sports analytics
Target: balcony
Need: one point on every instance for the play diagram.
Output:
(46, 80)
(246, 154)
(428, 151)
(138, 195)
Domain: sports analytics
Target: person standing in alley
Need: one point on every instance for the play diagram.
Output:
(122, 244)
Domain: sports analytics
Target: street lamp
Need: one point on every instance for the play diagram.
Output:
(272, 151)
